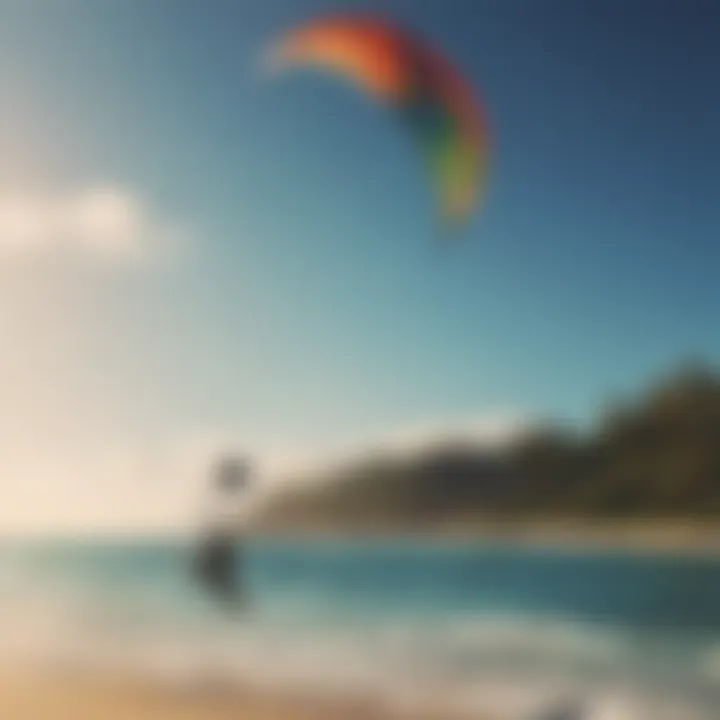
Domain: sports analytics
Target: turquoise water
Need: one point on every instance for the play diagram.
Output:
(479, 626)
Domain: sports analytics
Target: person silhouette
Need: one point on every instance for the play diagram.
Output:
(218, 558)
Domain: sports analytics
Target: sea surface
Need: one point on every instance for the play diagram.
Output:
(465, 627)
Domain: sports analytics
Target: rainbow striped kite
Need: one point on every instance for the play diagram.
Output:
(437, 103)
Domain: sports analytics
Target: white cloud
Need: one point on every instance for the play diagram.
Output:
(105, 221)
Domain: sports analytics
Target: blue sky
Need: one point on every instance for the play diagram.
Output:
(310, 299)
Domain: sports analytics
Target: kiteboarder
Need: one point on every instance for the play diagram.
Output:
(217, 563)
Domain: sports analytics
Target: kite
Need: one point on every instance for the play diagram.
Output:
(437, 104)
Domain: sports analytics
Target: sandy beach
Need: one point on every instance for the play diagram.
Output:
(41, 697)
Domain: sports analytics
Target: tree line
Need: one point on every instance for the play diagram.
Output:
(655, 455)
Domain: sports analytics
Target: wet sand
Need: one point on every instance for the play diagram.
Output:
(44, 697)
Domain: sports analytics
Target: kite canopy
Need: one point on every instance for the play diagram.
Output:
(437, 103)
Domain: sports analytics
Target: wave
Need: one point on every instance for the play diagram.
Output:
(506, 668)
(474, 664)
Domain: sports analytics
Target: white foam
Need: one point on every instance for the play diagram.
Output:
(507, 668)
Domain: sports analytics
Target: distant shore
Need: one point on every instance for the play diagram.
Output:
(660, 535)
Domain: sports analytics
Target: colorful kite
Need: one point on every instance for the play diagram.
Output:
(437, 104)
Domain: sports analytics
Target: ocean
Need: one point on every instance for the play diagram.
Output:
(468, 628)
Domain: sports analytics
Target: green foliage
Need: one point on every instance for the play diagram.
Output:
(656, 456)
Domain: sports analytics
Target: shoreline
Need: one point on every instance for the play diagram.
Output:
(666, 536)
(560, 534)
